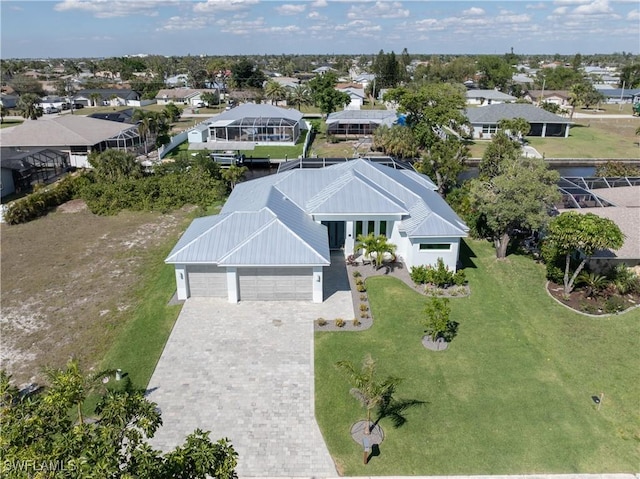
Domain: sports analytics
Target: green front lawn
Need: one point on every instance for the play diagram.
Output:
(511, 395)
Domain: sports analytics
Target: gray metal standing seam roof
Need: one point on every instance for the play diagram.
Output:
(268, 221)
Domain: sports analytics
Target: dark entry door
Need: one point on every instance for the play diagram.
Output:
(336, 231)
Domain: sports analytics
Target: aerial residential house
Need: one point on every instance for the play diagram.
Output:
(356, 95)
(74, 135)
(273, 237)
(182, 96)
(488, 97)
(558, 97)
(620, 95)
(257, 124)
(107, 97)
(359, 123)
(484, 120)
(8, 101)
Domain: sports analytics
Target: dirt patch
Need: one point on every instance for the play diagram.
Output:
(73, 206)
(67, 283)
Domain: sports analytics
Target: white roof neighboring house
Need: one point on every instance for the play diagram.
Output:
(253, 110)
(489, 96)
(380, 117)
(66, 130)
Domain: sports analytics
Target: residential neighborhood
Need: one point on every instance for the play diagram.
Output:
(293, 265)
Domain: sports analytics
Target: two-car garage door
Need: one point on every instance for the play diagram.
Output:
(255, 284)
(264, 284)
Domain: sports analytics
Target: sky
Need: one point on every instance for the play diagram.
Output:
(108, 28)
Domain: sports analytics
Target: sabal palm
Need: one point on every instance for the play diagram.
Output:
(367, 388)
(95, 97)
(299, 95)
(28, 106)
(275, 92)
(594, 283)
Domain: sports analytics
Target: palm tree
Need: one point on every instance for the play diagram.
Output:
(367, 388)
(95, 98)
(28, 105)
(275, 91)
(594, 283)
(145, 126)
(234, 174)
(299, 95)
(375, 246)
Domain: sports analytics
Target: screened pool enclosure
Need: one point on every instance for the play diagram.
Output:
(257, 129)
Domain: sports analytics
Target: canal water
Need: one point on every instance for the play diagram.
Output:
(564, 171)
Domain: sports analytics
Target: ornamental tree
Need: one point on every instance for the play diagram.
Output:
(572, 232)
(39, 429)
(517, 198)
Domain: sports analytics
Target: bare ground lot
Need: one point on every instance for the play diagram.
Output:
(68, 281)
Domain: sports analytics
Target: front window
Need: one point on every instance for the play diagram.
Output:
(435, 246)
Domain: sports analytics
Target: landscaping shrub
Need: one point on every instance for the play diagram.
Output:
(340, 322)
(440, 276)
(614, 304)
(357, 274)
(356, 322)
(322, 322)
(364, 307)
(41, 200)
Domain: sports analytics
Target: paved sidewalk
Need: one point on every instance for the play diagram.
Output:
(245, 371)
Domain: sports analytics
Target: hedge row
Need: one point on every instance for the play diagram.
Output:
(41, 201)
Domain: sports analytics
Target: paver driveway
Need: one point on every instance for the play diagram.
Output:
(245, 371)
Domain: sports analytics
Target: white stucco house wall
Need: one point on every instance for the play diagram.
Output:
(273, 237)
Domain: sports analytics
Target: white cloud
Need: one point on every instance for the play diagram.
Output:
(535, 6)
(177, 23)
(379, 10)
(290, 9)
(319, 4)
(595, 8)
(213, 6)
(316, 16)
(561, 10)
(473, 11)
(513, 18)
(633, 15)
(111, 8)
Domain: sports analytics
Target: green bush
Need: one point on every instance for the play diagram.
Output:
(41, 200)
(441, 275)
(614, 304)
(340, 322)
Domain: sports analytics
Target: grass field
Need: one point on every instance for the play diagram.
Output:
(511, 395)
(77, 284)
(588, 138)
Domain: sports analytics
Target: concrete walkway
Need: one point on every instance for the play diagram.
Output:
(245, 371)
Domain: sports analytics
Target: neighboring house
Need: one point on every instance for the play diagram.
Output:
(620, 204)
(323, 70)
(107, 97)
(559, 97)
(8, 101)
(522, 79)
(181, 80)
(488, 97)
(183, 96)
(618, 95)
(75, 135)
(484, 120)
(22, 169)
(272, 239)
(356, 96)
(52, 102)
(359, 122)
(258, 124)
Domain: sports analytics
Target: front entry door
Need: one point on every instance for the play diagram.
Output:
(336, 231)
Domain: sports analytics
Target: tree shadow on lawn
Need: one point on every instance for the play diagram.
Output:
(395, 409)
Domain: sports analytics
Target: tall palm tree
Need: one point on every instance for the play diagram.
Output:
(299, 95)
(371, 391)
(275, 91)
(28, 105)
(95, 98)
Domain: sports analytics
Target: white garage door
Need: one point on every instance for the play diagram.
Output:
(271, 284)
(207, 280)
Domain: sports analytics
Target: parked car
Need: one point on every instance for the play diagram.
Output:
(51, 109)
